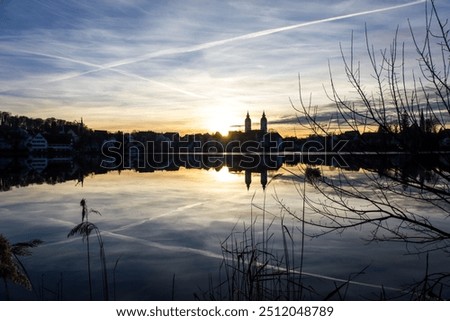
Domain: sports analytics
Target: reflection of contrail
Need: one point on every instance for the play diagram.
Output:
(179, 209)
(125, 227)
(213, 255)
(158, 245)
(209, 254)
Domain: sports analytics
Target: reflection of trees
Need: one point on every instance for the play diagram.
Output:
(380, 192)
(347, 203)
(17, 174)
(409, 203)
(11, 268)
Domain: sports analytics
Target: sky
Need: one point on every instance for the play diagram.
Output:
(188, 66)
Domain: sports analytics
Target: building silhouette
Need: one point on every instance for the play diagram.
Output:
(248, 123)
(263, 125)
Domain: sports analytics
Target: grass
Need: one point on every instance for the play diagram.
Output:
(264, 260)
(84, 229)
(261, 260)
(11, 268)
(253, 268)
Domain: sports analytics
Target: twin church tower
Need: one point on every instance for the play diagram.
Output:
(263, 124)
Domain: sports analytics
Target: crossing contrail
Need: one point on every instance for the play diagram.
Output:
(213, 255)
(199, 47)
(248, 36)
(98, 67)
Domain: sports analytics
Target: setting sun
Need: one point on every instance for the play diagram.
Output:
(222, 122)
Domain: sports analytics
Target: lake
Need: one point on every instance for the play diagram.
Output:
(164, 233)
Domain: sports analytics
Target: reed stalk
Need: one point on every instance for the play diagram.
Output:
(84, 229)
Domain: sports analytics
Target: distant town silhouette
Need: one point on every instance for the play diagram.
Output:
(34, 151)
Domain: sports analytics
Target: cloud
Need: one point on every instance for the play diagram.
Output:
(248, 36)
(173, 61)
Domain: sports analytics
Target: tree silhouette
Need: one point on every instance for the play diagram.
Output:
(405, 104)
(391, 202)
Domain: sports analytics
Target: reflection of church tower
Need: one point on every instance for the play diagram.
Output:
(248, 123)
(264, 178)
(264, 123)
(248, 178)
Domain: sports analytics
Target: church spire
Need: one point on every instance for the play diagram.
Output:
(248, 123)
(264, 123)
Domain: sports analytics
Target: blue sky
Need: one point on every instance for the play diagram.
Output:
(188, 66)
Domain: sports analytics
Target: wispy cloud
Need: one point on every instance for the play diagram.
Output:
(208, 45)
(161, 63)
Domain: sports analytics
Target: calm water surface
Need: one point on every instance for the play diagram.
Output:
(162, 233)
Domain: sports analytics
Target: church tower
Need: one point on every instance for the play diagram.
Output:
(264, 123)
(248, 123)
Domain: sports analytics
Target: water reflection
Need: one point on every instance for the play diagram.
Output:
(21, 172)
(158, 223)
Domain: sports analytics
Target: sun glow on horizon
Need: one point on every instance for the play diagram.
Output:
(222, 122)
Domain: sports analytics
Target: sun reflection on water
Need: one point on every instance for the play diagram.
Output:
(224, 175)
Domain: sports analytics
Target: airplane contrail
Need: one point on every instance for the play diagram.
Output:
(99, 67)
(248, 36)
(173, 51)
